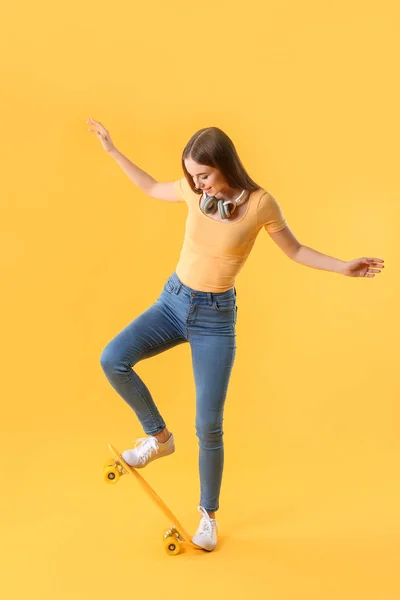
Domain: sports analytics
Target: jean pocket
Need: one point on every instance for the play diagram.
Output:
(225, 304)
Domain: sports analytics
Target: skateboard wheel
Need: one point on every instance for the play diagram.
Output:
(172, 546)
(111, 474)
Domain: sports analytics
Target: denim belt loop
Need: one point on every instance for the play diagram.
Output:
(209, 298)
(234, 289)
(177, 288)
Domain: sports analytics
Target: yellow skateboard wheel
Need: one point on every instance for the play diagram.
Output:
(111, 474)
(171, 545)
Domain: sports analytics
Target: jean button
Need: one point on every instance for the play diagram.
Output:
(193, 293)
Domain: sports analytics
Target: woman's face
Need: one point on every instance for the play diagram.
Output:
(207, 178)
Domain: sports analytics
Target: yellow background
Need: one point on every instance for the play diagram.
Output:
(309, 93)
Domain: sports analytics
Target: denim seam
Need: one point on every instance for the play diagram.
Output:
(149, 408)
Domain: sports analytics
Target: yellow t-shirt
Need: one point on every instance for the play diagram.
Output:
(213, 252)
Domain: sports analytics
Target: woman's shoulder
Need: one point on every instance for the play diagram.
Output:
(265, 198)
(261, 197)
(269, 211)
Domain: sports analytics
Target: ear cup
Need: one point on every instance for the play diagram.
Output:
(208, 204)
(229, 208)
(225, 210)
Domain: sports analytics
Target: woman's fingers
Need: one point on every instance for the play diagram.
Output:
(101, 132)
(376, 260)
(95, 131)
(98, 125)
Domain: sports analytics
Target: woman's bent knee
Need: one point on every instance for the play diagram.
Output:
(108, 360)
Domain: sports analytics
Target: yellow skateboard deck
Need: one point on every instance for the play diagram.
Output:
(115, 468)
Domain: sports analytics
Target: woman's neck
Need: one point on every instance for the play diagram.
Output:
(229, 194)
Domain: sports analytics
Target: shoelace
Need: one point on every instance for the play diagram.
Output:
(207, 524)
(147, 445)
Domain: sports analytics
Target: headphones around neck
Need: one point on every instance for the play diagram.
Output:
(226, 208)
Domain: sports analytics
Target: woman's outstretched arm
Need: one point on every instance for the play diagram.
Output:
(359, 267)
(144, 181)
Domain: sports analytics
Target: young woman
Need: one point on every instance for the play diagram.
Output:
(226, 211)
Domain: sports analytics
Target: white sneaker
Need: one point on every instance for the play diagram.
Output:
(146, 450)
(206, 535)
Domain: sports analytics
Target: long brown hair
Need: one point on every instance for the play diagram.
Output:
(212, 147)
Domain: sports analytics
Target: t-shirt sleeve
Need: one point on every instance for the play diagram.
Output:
(182, 189)
(269, 214)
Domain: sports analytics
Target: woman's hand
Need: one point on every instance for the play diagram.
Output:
(363, 267)
(102, 134)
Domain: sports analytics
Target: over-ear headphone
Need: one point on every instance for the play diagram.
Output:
(226, 208)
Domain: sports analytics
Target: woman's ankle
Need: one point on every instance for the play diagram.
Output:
(163, 436)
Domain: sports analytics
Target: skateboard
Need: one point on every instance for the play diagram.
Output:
(116, 467)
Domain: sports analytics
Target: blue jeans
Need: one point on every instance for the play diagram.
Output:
(207, 321)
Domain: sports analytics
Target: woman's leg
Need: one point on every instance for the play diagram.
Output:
(149, 334)
(213, 358)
